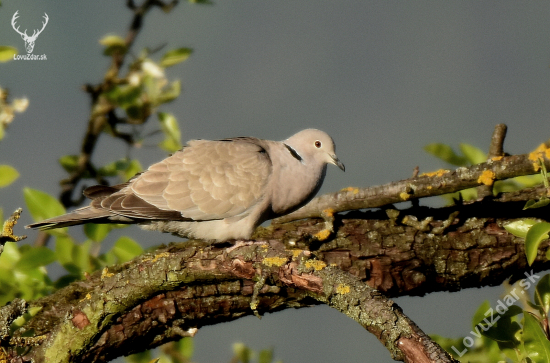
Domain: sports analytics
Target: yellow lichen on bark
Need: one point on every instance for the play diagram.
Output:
(343, 289)
(353, 190)
(105, 273)
(87, 297)
(157, 257)
(316, 264)
(540, 152)
(404, 195)
(439, 172)
(322, 234)
(161, 255)
(487, 177)
(274, 261)
(329, 212)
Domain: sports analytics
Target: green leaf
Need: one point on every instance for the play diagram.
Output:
(69, 162)
(170, 128)
(138, 111)
(97, 232)
(520, 227)
(266, 356)
(34, 310)
(526, 181)
(67, 279)
(504, 330)
(536, 344)
(114, 168)
(64, 249)
(473, 154)
(35, 257)
(531, 204)
(185, 347)
(113, 44)
(126, 249)
(23, 319)
(74, 258)
(175, 56)
(535, 235)
(7, 53)
(479, 315)
(517, 183)
(242, 352)
(125, 95)
(445, 153)
(133, 168)
(10, 256)
(542, 293)
(42, 205)
(142, 357)
(169, 94)
(107, 259)
(8, 175)
(81, 257)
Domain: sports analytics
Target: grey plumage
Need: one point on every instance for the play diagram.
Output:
(214, 190)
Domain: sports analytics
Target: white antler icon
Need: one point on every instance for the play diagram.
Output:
(29, 41)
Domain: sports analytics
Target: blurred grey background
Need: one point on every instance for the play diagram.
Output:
(384, 78)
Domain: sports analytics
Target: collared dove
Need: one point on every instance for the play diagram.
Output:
(214, 190)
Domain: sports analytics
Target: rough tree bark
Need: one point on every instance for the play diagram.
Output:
(352, 262)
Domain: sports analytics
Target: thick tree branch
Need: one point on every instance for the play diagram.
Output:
(422, 250)
(123, 310)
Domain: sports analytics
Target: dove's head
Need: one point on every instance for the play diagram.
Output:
(315, 146)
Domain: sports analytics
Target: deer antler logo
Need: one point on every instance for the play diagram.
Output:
(29, 41)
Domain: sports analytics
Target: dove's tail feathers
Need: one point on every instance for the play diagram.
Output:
(79, 216)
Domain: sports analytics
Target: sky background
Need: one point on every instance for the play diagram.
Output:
(384, 78)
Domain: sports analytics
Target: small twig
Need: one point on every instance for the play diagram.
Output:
(416, 170)
(497, 141)
(496, 150)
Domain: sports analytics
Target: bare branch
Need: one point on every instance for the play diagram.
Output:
(429, 184)
(496, 150)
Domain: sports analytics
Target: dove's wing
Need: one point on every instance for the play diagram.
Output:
(205, 180)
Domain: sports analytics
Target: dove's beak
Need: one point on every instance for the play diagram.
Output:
(337, 162)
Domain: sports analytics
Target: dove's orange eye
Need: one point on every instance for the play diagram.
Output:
(317, 144)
